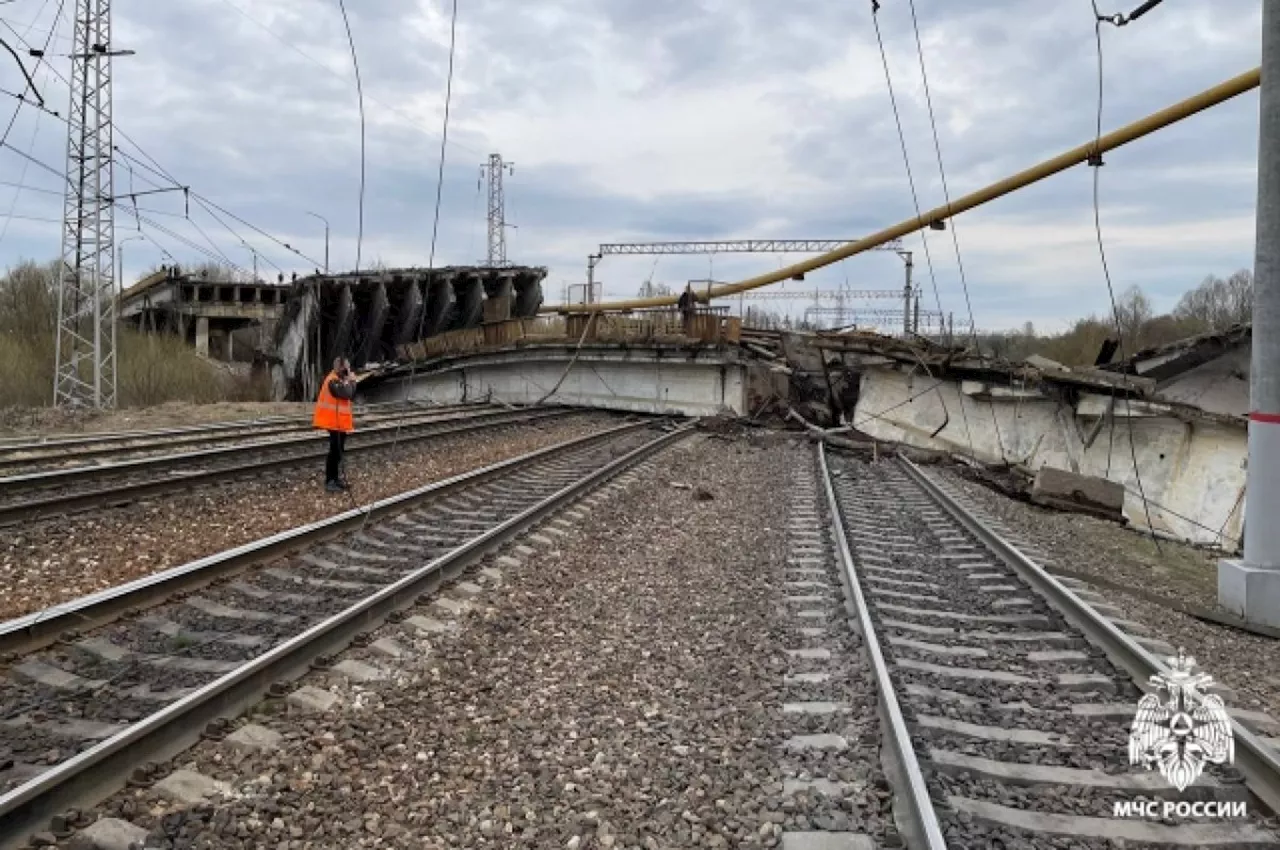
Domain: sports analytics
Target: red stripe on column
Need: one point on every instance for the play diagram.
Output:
(1269, 418)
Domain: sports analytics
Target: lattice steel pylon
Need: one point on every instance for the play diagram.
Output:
(85, 349)
(497, 208)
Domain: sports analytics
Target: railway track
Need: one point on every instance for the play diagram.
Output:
(28, 497)
(1007, 698)
(89, 451)
(98, 687)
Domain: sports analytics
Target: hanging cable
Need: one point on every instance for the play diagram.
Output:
(156, 168)
(435, 232)
(1095, 161)
(355, 63)
(955, 238)
(915, 201)
(57, 19)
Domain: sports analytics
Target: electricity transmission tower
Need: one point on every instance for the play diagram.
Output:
(85, 351)
(497, 208)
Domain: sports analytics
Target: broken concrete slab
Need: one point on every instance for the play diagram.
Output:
(1071, 491)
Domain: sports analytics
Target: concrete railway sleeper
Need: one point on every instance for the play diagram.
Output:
(165, 657)
(29, 497)
(40, 457)
(1015, 697)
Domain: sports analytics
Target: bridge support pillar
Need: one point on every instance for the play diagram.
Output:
(202, 336)
(1250, 587)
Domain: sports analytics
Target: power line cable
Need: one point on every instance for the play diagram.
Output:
(57, 19)
(435, 222)
(1095, 161)
(355, 63)
(156, 168)
(294, 47)
(955, 238)
(915, 201)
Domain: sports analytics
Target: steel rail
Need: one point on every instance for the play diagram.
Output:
(1259, 764)
(914, 807)
(23, 443)
(126, 491)
(243, 435)
(99, 771)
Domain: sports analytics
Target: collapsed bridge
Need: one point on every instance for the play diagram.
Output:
(366, 315)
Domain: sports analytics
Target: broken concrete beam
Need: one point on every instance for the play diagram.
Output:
(1071, 491)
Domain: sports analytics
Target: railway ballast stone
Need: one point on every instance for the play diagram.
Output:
(113, 834)
(1058, 488)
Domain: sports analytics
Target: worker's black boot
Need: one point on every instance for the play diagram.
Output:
(333, 487)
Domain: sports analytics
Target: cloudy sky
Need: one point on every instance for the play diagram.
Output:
(645, 120)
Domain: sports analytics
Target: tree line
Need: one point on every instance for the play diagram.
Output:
(1214, 305)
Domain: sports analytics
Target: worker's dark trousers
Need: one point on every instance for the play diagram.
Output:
(333, 463)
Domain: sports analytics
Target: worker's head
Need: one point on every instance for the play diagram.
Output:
(341, 365)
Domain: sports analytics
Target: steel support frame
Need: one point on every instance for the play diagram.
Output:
(84, 349)
(497, 210)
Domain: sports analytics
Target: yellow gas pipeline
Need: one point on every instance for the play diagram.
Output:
(1143, 127)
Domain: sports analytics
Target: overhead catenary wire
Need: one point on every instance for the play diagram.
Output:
(150, 163)
(292, 45)
(1096, 162)
(355, 64)
(915, 202)
(951, 224)
(435, 220)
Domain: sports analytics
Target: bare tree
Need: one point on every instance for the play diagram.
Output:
(649, 289)
(1217, 304)
(1133, 311)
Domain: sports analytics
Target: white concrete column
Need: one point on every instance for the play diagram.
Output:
(1251, 587)
(202, 336)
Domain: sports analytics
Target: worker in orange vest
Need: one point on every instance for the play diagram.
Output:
(333, 414)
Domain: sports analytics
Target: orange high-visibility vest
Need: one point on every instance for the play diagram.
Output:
(332, 413)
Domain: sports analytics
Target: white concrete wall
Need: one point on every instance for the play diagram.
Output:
(634, 382)
(1192, 473)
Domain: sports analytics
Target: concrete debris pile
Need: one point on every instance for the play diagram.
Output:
(1169, 422)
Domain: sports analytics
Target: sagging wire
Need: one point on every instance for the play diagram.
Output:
(435, 229)
(915, 200)
(355, 64)
(155, 168)
(946, 194)
(1095, 161)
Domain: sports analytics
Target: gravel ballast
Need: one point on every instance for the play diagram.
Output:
(618, 682)
(51, 561)
(1244, 662)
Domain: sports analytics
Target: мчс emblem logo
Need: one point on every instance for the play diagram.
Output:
(1185, 732)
